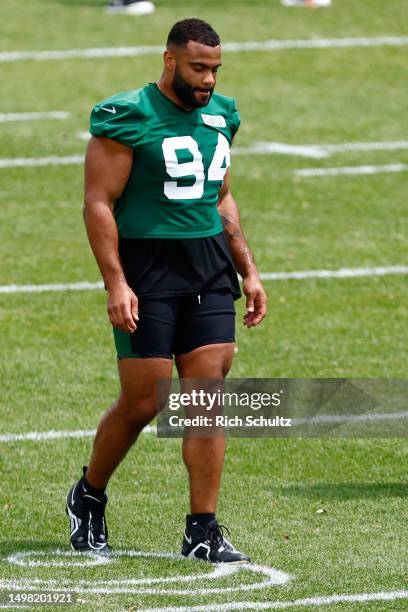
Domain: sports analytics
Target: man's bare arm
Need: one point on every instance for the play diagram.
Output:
(242, 255)
(107, 168)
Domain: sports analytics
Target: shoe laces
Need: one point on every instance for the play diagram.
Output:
(98, 523)
(214, 533)
(97, 512)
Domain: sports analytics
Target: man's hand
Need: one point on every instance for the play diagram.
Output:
(123, 307)
(256, 299)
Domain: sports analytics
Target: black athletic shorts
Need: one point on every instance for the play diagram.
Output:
(170, 326)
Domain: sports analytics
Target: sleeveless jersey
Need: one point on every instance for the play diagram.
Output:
(179, 161)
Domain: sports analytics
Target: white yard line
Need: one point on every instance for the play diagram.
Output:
(23, 162)
(39, 436)
(392, 145)
(310, 172)
(267, 276)
(325, 600)
(281, 148)
(350, 418)
(322, 151)
(34, 116)
(82, 286)
(232, 47)
(315, 151)
(341, 273)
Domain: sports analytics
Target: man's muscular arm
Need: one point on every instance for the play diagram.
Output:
(242, 255)
(107, 168)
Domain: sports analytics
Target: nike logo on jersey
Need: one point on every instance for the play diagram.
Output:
(109, 110)
(214, 120)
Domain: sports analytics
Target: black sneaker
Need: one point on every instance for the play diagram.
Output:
(208, 543)
(88, 530)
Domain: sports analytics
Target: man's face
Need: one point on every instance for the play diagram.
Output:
(195, 73)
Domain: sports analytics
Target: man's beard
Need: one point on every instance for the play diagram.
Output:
(185, 92)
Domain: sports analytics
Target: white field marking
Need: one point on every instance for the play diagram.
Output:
(232, 47)
(354, 418)
(314, 151)
(70, 559)
(34, 116)
(310, 172)
(280, 148)
(324, 600)
(365, 146)
(39, 436)
(25, 559)
(273, 276)
(259, 148)
(85, 285)
(24, 162)
(341, 273)
(74, 559)
(143, 585)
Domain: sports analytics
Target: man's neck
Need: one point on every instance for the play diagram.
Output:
(168, 91)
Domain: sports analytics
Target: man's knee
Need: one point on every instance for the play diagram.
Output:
(223, 355)
(136, 412)
(227, 362)
(208, 361)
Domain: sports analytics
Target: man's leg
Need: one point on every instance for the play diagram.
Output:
(123, 422)
(204, 538)
(117, 431)
(204, 457)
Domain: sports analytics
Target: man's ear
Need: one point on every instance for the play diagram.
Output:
(169, 60)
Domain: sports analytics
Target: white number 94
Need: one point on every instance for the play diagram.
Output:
(176, 170)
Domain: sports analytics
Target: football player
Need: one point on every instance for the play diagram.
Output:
(166, 233)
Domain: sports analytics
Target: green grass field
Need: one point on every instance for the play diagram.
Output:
(57, 364)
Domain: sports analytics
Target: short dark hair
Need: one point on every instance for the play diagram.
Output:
(193, 29)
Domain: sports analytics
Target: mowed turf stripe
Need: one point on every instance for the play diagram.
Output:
(267, 276)
(232, 47)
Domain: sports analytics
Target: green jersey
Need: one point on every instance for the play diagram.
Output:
(179, 161)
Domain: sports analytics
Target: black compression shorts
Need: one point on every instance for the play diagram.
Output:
(170, 326)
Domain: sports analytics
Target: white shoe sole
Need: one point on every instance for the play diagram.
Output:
(310, 4)
(138, 9)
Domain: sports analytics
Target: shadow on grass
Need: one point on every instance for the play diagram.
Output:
(74, 3)
(356, 490)
(12, 546)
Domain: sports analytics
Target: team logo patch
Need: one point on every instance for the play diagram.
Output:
(214, 120)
